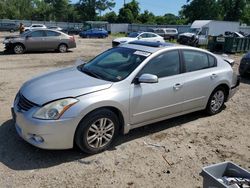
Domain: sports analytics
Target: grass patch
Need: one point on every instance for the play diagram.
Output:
(118, 35)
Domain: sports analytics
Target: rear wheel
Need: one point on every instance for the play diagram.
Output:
(97, 131)
(18, 49)
(62, 48)
(216, 101)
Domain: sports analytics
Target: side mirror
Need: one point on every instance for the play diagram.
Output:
(148, 78)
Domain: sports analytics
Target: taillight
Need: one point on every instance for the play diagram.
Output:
(72, 38)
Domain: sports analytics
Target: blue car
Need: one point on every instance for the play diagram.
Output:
(95, 32)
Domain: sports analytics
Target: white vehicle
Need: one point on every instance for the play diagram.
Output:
(55, 28)
(35, 26)
(201, 29)
(143, 36)
(166, 33)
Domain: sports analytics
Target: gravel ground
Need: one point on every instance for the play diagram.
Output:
(188, 142)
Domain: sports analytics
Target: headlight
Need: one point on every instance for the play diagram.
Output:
(55, 109)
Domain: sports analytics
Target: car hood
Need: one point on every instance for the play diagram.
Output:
(69, 82)
(124, 39)
(12, 37)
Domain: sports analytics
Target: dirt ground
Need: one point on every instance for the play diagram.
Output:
(189, 142)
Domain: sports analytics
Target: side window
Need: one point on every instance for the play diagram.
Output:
(144, 35)
(52, 34)
(37, 34)
(212, 61)
(151, 35)
(166, 64)
(195, 60)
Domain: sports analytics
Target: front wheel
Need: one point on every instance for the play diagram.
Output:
(216, 101)
(18, 49)
(97, 131)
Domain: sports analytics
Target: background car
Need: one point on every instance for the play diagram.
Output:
(72, 30)
(121, 89)
(35, 26)
(11, 27)
(143, 36)
(95, 32)
(244, 67)
(167, 33)
(40, 40)
(55, 28)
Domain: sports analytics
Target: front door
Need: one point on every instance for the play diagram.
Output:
(35, 41)
(157, 100)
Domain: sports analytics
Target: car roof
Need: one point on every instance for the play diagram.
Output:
(153, 47)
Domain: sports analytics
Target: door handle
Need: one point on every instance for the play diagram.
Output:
(213, 76)
(177, 86)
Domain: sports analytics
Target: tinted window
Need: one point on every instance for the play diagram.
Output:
(37, 34)
(144, 35)
(195, 60)
(151, 35)
(212, 61)
(166, 64)
(37, 26)
(115, 64)
(52, 34)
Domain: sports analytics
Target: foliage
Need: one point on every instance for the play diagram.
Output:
(228, 10)
(84, 10)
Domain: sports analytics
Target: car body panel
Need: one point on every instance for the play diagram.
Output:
(138, 103)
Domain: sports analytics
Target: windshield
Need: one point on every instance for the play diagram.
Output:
(193, 30)
(133, 35)
(115, 64)
(25, 33)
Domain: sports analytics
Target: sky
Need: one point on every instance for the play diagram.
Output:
(158, 7)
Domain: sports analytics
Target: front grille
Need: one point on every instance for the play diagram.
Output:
(23, 103)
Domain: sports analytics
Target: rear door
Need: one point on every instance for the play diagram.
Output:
(52, 39)
(35, 40)
(199, 78)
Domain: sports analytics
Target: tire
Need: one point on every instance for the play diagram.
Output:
(18, 49)
(216, 101)
(91, 136)
(62, 48)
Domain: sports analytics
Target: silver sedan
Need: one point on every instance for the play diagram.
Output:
(40, 40)
(121, 89)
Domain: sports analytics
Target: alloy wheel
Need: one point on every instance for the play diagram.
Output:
(100, 133)
(217, 100)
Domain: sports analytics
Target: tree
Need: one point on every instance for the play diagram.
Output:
(125, 16)
(111, 17)
(129, 13)
(231, 10)
(87, 8)
(245, 18)
(200, 10)
(59, 9)
(147, 17)
(103, 5)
